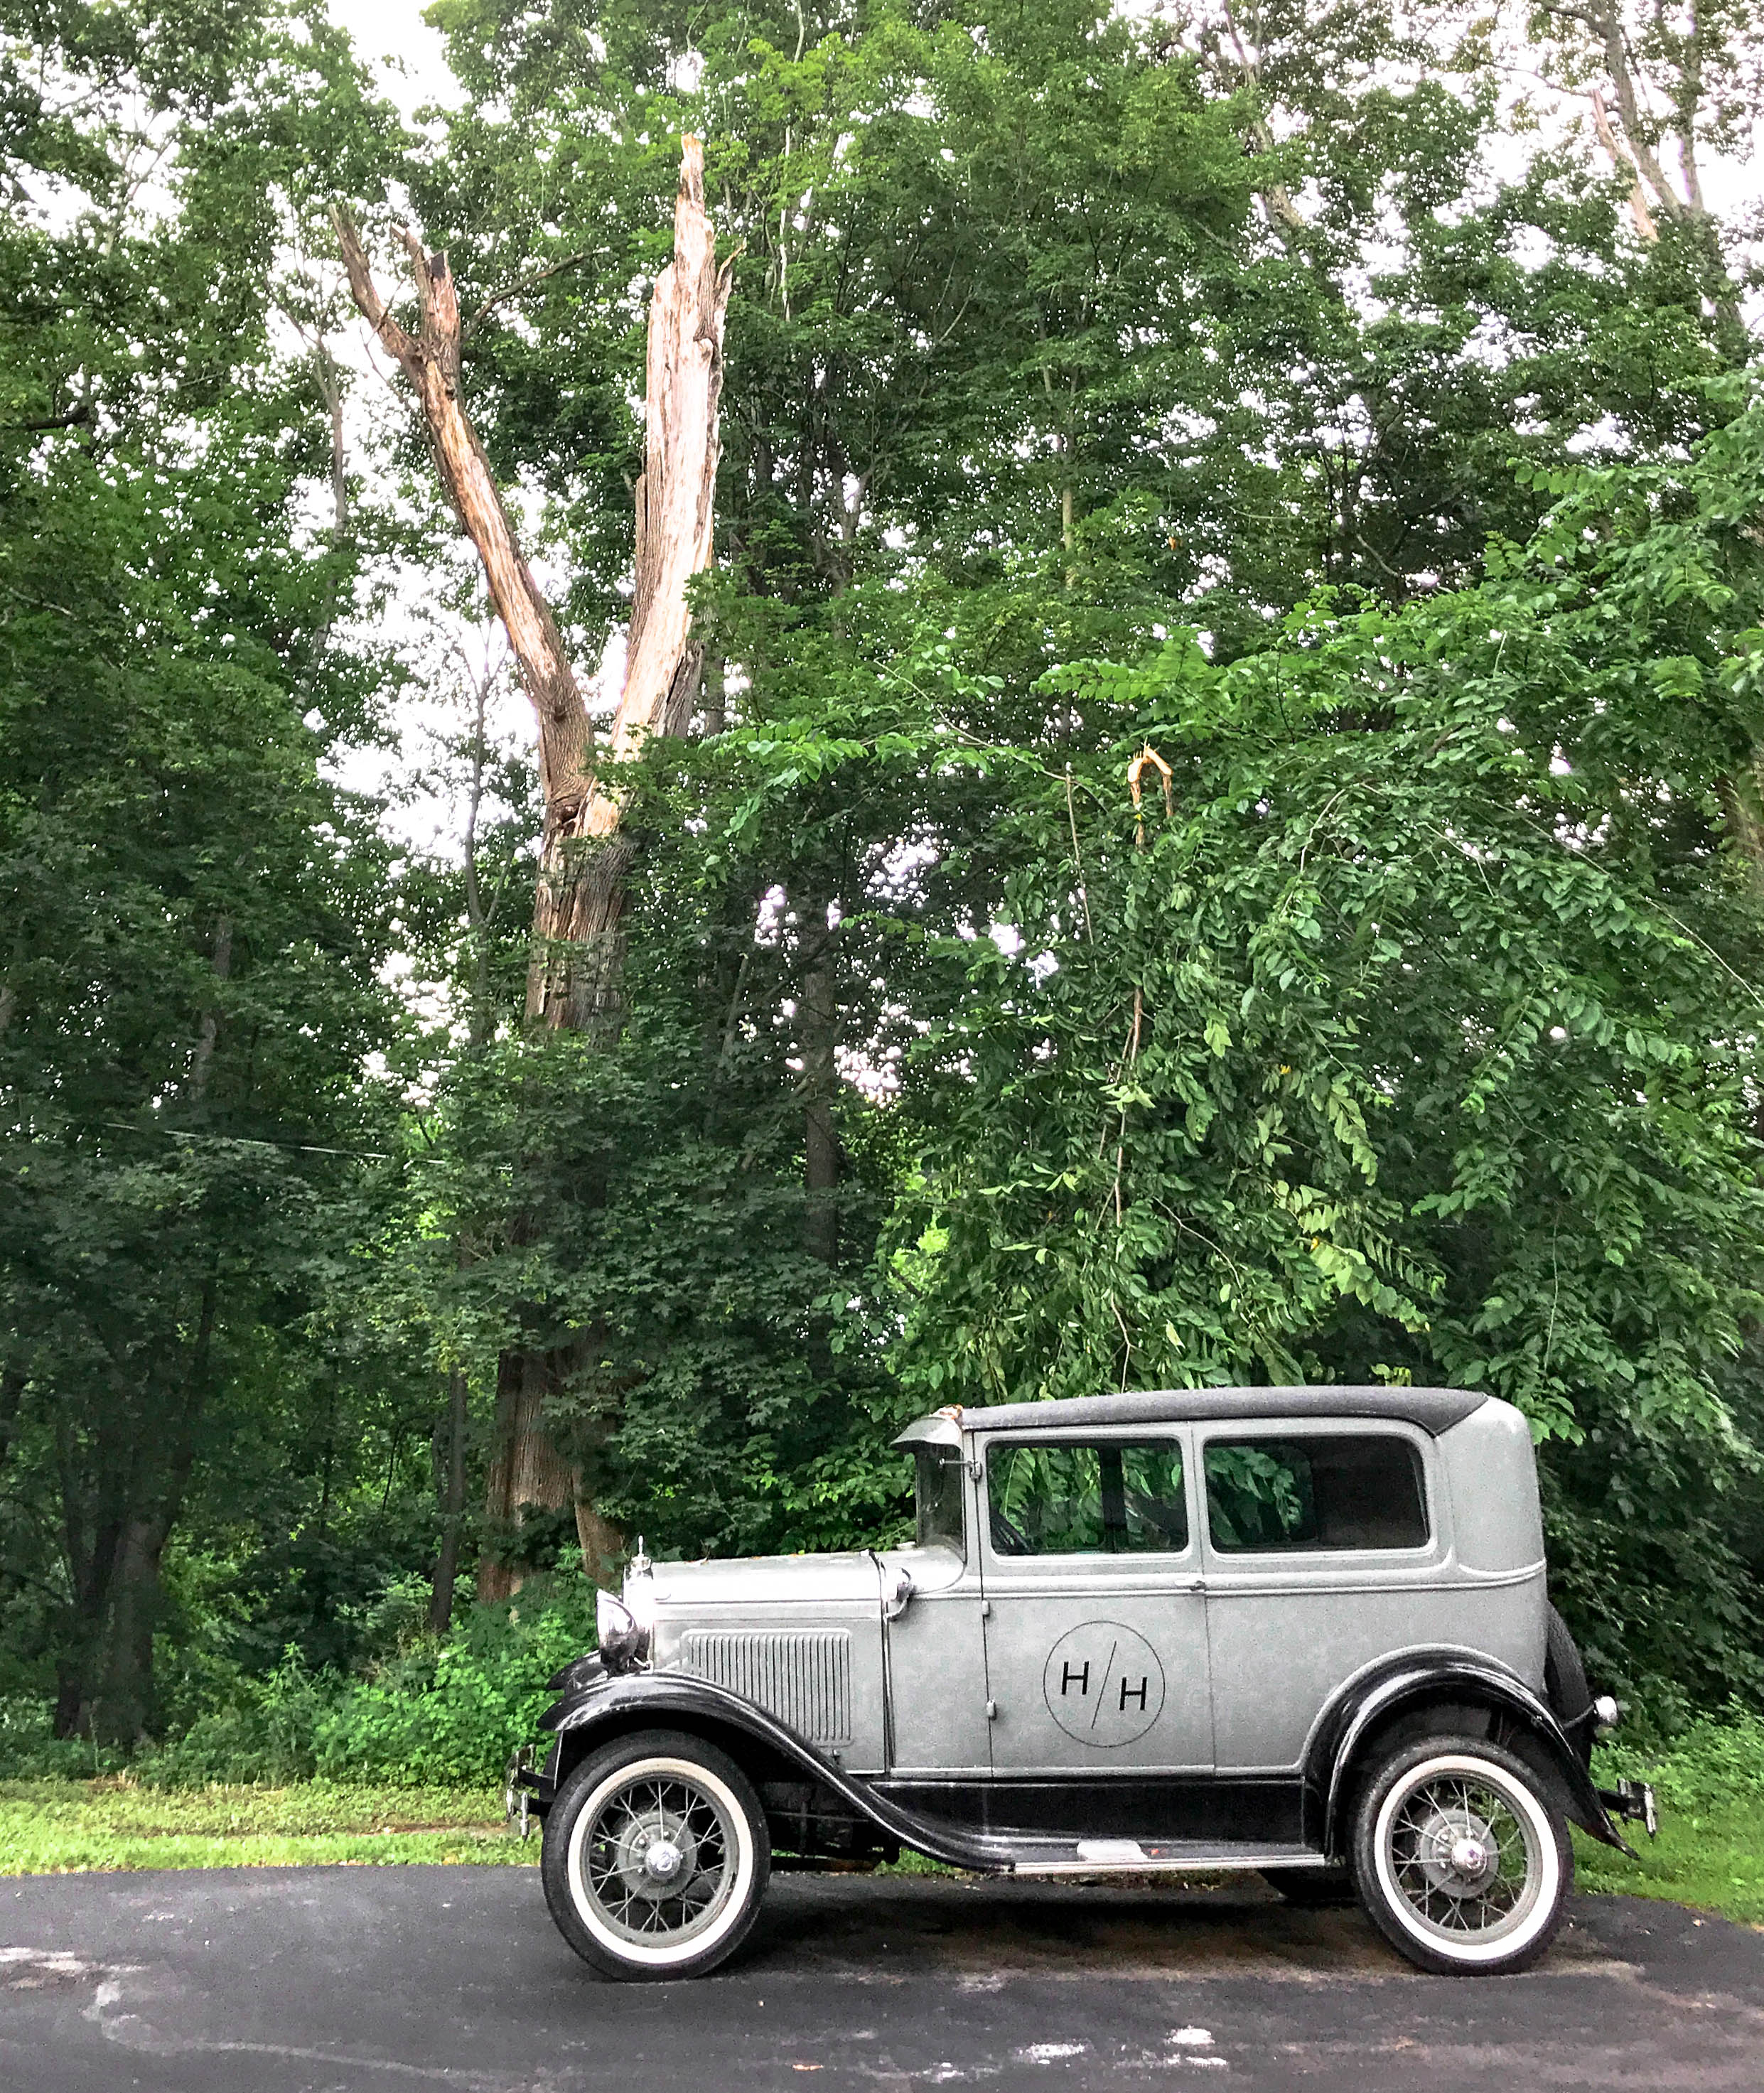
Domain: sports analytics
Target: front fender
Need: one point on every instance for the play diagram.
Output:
(1409, 1682)
(586, 1718)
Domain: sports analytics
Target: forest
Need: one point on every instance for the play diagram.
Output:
(1208, 826)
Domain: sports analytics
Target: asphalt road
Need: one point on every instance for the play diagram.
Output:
(375, 1980)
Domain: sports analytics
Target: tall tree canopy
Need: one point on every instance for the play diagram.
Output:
(1208, 826)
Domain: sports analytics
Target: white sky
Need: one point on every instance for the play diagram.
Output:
(394, 29)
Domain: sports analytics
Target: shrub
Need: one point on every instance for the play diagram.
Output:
(1716, 1759)
(431, 1714)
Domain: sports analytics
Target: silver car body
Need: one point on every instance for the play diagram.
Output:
(980, 1699)
(1240, 1653)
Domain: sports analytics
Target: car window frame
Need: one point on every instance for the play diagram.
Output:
(1090, 1564)
(955, 1457)
(1222, 1560)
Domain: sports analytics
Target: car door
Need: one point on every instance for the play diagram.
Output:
(1095, 1618)
(935, 1645)
(1328, 1548)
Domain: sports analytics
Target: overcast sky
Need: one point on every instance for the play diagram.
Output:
(394, 29)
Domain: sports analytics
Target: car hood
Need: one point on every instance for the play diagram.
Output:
(814, 1581)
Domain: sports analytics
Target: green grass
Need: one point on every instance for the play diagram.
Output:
(1709, 1854)
(1712, 1859)
(54, 1827)
(1709, 1783)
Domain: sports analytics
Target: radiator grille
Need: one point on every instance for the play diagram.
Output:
(804, 1679)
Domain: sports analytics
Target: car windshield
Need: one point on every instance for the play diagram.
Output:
(937, 1494)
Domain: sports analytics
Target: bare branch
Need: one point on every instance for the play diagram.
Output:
(519, 290)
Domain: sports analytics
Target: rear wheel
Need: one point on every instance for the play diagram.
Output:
(657, 1854)
(1461, 1858)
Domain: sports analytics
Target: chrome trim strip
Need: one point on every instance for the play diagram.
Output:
(1222, 1863)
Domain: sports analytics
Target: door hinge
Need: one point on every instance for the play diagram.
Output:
(992, 1711)
(986, 1610)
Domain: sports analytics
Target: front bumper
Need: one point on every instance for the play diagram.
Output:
(528, 1787)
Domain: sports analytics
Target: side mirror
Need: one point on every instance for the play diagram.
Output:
(897, 1590)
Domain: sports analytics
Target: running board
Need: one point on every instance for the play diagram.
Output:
(1161, 1857)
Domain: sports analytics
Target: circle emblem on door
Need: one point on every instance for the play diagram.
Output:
(1104, 1684)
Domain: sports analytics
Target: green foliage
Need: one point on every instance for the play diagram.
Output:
(1096, 383)
(423, 1714)
(1393, 1044)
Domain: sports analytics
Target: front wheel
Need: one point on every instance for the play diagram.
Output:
(1461, 1858)
(657, 1854)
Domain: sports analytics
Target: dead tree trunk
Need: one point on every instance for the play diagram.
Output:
(579, 905)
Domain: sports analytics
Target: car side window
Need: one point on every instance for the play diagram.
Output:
(1353, 1490)
(1107, 1497)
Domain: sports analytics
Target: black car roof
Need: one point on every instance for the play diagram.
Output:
(1434, 1410)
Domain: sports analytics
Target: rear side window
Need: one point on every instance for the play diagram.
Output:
(1109, 1498)
(1356, 1490)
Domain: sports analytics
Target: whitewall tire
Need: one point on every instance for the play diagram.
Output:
(1460, 1857)
(655, 1855)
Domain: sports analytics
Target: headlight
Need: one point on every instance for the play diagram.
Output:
(623, 1642)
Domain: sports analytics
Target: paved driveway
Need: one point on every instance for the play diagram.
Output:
(376, 1980)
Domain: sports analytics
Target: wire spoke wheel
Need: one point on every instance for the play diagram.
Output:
(656, 1855)
(657, 1858)
(1463, 1859)
(1463, 1856)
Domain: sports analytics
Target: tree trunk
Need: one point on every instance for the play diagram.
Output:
(114, 1534)
(573, 982)
(12, 1384)
(123, 1704)
(453, 1507)
(820, 1088)
(821, 1159)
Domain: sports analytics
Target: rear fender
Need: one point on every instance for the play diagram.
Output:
(1339, 1745)
(610, 1707)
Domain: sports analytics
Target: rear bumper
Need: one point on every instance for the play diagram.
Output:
(1631, 1802)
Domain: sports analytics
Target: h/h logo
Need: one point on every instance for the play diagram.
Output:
(1104, 1684)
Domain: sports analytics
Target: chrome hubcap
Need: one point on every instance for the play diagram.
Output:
(662, 1860)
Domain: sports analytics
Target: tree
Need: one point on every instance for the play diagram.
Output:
(1399, 1039)
(187, 985)
(572, 983)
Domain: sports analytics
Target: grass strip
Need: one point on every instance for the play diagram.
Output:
(57, 1826)
(1711, 1859)
(1709, 1854)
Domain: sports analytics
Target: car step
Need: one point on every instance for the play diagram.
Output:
(1136, 1857)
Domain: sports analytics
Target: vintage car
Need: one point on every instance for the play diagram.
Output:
(1299, 1631)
